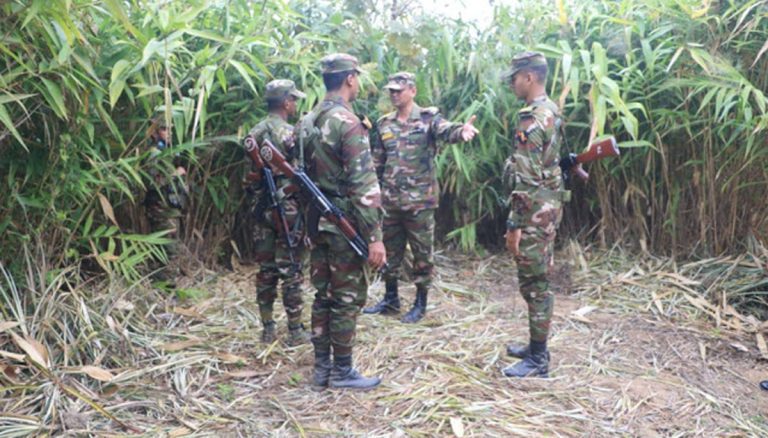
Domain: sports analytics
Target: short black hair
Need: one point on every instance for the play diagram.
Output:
(275, 103)
(333, 81)
(538, 71)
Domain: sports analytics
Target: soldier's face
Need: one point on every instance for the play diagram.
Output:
(402, 97)
(354, 84)
(520, 84)
(162, 133)
(290, 106)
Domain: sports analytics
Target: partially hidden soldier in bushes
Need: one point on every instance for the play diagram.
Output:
(404, 151)
(166, 195)
(277, 261)
(537, 195)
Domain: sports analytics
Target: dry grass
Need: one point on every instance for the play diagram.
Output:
(634, 353)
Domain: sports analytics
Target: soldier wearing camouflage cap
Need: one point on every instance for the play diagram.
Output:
(404, 151)
(271, 249)
(166, 192)
(537, 195)
(338, 155)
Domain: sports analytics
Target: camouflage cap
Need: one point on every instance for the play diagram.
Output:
(524, 60)
(398, 81)
(282, 88)
(339, 62)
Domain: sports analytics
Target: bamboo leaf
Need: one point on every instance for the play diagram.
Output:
(242, 69)
(5, 118)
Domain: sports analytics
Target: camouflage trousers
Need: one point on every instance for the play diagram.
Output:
(273, 256)
(340, 277)
(162, 217)
(416, 228)
(534, 266)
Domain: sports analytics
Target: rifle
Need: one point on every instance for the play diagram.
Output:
(278, 212)
(600, 148)
(327, 209)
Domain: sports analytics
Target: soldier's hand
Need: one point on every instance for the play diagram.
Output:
(468, 131)
(180, 171)
(513, 240)
(377, 255)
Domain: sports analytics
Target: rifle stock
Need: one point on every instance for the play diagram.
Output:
(600, 148)
(273, 157)
(278, 212)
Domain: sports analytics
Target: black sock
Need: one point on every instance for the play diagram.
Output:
(343, 361)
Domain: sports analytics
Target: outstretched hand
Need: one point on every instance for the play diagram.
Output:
(468, 131)
(513, 238)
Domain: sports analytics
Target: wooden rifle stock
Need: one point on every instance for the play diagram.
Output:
(600, 148)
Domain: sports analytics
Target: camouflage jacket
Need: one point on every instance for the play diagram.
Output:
(404, 156)
(280, 133)
(534, 174)
(340, 164)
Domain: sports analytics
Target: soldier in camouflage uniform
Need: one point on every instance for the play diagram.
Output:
(404, 152)
(271, 249)
(166, 194)
(536, 206)
(339, 159)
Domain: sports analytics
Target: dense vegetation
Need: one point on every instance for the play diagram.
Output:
(680, 83)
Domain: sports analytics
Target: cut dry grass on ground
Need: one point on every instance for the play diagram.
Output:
(637, 350)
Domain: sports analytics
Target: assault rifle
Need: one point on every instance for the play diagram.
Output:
(324, 206)
(600, 148)
(278, 212)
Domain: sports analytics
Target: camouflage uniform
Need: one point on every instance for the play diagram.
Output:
(271, 249)
(164, 202)
(536, 202)
(340, 164)
(404, 156)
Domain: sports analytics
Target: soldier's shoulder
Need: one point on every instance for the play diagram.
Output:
(545, 108)
(430, 111)
(259, 128)
(343, 117)
(387, 116)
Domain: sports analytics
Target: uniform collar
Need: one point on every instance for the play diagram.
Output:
(415, 113)
(336, 99)
(538, 99)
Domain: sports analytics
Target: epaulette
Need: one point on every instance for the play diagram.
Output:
(526, 112)
(365, 121)
(386, 116)
(431, 110)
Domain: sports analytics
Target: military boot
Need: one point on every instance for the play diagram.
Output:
(764, 385)
(419, 306)
(518, 351)
(390, 304)
(268, 335)
(322, 371)
(535, 364)
(297, 335)
(344, 375)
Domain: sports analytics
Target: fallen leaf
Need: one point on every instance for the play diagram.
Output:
(243, 374)
(739, 347)
(583, 311)
(761, 346)
(179, 431)
(97, 373)
(35, 351)
(124, 305)
(106, 207)
(192, 312)
(457, 426)
(5, 325)
(15, 356)
(231, 358)
(181, 345)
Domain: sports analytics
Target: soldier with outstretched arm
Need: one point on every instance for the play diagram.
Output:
(404, 150)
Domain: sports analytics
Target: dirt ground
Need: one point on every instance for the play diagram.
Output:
(617, 370)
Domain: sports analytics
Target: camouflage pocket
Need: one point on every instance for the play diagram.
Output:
(521, 203)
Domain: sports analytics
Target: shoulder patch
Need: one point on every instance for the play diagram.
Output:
(526, 112)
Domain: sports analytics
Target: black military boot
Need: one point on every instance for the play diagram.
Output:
(268, 335)
(323, 366)
(518, 351)
(419, 306)
(390, 304)
(535, 364)
(297, 335)
(344, 376)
